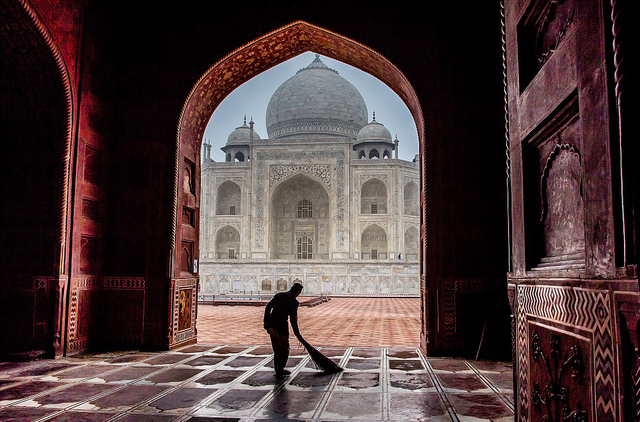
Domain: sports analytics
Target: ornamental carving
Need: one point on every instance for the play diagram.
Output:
(557, 400)
(319, 171)
(221, 180)
(366, 177)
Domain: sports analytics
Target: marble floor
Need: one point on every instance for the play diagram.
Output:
(207, 382)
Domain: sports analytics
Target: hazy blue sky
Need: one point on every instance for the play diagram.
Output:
(252, 97)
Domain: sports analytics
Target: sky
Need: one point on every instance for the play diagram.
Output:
(252, 97)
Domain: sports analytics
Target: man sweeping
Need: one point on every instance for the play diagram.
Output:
(284, 306)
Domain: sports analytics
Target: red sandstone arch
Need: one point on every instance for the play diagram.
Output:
(232, 71)
(41, 91)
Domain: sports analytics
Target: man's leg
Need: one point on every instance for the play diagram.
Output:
(280, 345)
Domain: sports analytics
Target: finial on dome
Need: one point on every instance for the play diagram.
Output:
(374, 115)
(317, 56)
(245, 119)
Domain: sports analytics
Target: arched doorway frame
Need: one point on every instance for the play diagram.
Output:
(49, 288)
(277, 187)
(219, 81)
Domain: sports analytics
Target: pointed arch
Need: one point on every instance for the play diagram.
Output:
(262, 54)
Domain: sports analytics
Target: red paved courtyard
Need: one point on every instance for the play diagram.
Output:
(350, 322)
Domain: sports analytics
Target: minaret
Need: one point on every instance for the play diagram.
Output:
(207, 150)
(396, 142)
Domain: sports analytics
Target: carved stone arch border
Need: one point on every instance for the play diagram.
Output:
(65, 79)
(274, 187)
(264, 53)
(364, 178)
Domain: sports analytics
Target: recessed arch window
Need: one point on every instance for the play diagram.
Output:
(374, 153)
(373, 197)
(411, 199)
(228, 199)
(304, 247)
(305, 209)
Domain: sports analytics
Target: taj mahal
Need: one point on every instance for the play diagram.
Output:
(324, 200)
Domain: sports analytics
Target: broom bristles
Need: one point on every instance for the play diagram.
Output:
(327, 365)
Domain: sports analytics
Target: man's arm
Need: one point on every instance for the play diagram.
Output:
(294, 321)
(267, 314)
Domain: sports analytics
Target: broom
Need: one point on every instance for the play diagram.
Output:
(327, 365)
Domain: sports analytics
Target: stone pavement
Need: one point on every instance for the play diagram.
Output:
(205, 382)
(357, 322)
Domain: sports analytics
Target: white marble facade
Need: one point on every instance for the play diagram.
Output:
(321, 201)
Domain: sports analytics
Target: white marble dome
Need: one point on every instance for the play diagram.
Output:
(374, 132)
(316, 101)
(242, 135)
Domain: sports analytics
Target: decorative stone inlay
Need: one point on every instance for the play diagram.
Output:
(319, 171)
(221, 180)
(366, 223)
(366, 177)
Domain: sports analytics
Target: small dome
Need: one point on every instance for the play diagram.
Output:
(242, 135)
(374, 132)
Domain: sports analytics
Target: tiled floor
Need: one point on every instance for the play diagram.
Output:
(236, 383)
(358, 322)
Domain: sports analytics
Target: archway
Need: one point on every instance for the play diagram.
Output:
(300, 219)
(229, 199)
(235, 69)
(36, 107)
(374, 243)
(373, 197)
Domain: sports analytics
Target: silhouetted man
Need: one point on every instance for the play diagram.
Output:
(283, 306)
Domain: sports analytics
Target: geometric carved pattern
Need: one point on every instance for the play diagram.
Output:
(587, 309)
(320, 171)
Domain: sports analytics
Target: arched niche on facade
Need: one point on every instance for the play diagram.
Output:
(299, 221)
(227, 243)
(412, 243)
(374, 153)
(228, 199)
(239, 157)
(411, 199)
(373, 243)
(362, 154)
(373, 197)
(266, 285)
(282, 285)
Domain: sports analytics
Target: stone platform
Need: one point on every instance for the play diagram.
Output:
(206, 382)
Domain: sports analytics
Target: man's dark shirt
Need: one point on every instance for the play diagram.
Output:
(283, 306)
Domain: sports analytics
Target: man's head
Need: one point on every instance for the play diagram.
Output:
(296, 289)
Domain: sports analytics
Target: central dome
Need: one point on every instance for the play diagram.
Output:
(316, 101)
